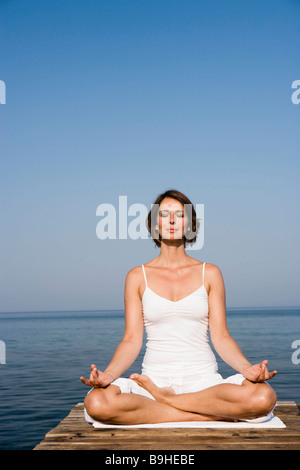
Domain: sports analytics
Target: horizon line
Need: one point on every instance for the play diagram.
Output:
(122, 309)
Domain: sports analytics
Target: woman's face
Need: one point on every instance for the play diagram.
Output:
(172, 221)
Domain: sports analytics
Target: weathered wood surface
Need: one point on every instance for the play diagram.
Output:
(74, 433)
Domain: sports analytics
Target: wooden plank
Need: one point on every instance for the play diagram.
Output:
(74, 433)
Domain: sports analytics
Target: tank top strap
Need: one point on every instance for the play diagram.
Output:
(203, 273)
(144, 275)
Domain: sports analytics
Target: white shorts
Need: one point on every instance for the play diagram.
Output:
(181, 385)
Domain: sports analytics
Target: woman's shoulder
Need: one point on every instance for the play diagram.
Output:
(209, 267)
(212, 267)
(134, 272)
(134, 279)
(213, 275)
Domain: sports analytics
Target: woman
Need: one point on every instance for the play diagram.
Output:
(177, 298)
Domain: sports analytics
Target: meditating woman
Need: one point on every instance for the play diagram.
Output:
(179, 300)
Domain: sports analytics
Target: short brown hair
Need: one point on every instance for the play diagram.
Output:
(193, 224)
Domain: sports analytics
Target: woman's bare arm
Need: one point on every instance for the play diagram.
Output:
(131, 343)
(224, 344)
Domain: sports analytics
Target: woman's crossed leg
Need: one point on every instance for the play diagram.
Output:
(227, 402)
(246, 401)
(110, 406)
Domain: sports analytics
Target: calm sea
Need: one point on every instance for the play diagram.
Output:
(47, 352)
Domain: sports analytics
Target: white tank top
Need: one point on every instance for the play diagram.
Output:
(177, 334)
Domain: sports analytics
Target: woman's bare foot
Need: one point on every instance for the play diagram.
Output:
(160, 394)
(165, 394)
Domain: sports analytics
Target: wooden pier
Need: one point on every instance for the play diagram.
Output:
(74, 433)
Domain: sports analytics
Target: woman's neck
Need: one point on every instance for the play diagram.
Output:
(172, 256)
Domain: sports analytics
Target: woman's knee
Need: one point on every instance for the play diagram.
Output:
(262, 400)
(100, 404)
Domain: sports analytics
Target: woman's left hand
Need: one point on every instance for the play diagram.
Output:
(258, 372)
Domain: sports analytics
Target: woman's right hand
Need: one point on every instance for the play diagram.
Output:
(97, 378)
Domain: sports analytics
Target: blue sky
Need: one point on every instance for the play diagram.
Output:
(110, 98)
